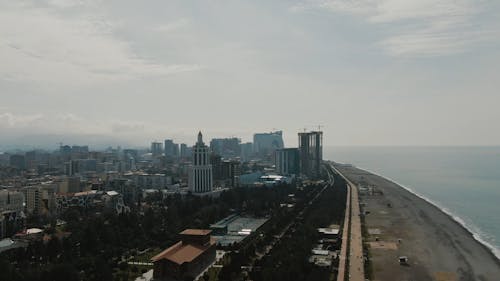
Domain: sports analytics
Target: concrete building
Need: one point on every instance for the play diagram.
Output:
(111, 200)
(11, 212)
(18, 161)
(246, 151)
(11, 200)
(226, 147)
(311, 153)
(226, 173)
(186, 259)
(69, 185)
(40, 199)
(200, 176)
(171, 149)
(149, 181)
(114, 200)
(287, 161)
(156, 149)
(186, 151)
(264, 144)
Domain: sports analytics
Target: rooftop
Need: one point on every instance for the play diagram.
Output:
(328, 231)
(196, 232)
(181, 253)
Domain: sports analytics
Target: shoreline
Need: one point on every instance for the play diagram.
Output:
(476, 236)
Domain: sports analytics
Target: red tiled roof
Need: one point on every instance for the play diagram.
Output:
(181, 253)
(196, 232)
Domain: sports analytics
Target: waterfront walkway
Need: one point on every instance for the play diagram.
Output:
(351, 252)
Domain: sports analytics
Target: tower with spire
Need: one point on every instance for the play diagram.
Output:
(200, 174)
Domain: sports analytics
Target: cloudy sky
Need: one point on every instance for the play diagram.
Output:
(371, 72)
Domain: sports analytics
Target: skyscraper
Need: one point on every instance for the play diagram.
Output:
(266, 143)
(311, 153)
(287, 161)
(200, 176)
(171, 149)
(186, 151)
(226, 147)
(156, 148)
(246, 151)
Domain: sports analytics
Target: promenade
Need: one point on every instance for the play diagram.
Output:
(351, 251)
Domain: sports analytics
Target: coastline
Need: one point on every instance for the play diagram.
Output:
(400, 222)
(475, 235)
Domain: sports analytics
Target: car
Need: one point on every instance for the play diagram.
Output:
(403, 260)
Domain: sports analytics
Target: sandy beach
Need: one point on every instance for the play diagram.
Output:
(399, 223)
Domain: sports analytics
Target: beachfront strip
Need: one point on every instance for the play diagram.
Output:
(351, 252)
(410, 239)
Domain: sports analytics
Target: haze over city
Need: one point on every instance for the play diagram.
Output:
(265, 140)
(371, 72)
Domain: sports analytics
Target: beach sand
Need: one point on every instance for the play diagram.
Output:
(399, 223)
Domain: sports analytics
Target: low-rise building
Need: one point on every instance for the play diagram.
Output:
(187, 258)
(148, 181)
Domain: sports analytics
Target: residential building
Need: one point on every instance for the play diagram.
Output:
(186, 151)
(156, 149)
(226, 147)
(40, 199)
(264, 144)
(311, 153)
(11, 200)
(246, 151)
(225, 172)
(69, 185)
(171, 149)
(148, 181)
(287, 161)
(11, 212)
(18, 161)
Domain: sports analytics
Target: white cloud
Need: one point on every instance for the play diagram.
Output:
(173, 26)
(66, 3)
(416, 27)
(10, 120)
(40, 44)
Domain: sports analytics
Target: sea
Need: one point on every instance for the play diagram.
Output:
(464, 182)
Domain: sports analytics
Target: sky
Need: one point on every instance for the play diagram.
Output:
(369, 72)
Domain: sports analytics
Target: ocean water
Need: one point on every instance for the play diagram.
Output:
(463, 181)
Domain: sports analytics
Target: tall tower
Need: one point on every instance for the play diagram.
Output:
(200, 174)
(311, 153)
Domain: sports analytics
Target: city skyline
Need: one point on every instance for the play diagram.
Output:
(371, 72)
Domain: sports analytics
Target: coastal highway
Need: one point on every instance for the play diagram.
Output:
(351, 251)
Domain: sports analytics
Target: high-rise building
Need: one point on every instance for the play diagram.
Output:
(287, 161)
(156, 149)
(186, 151)
(246, 151)
(226, 147)
(171, 149)
(311, 153)
(264, 144)
(18, 161)
(200, 176)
